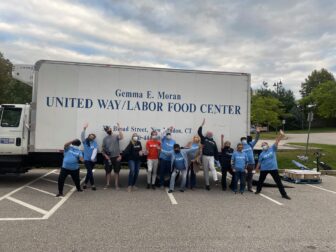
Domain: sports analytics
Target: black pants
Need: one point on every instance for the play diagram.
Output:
(89, 175)
(62, 176)
(249, 176)
(276, 178)
(225, 170)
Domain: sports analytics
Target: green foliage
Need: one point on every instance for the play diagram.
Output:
(266, 110)
(314, 79)
(11, 90)
(324, 96)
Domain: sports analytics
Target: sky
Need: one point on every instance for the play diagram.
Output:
(272, 40)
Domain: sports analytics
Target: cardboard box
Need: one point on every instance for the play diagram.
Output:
(302, 174)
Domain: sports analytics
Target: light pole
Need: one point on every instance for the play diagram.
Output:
(309, 119)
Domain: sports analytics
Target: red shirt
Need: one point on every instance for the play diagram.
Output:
(152, 148)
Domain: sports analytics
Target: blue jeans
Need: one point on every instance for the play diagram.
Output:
(165, 166)
(173, 177)
(134, 167)
(89, 175)
(239, 175)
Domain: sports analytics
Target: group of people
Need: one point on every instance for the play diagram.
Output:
(172, 160)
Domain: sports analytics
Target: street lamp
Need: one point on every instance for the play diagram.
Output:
(277, 86)
(309, 119)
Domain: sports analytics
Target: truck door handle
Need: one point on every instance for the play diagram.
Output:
(18, 141)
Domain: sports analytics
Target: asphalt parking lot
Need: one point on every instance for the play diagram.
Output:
(32, 219)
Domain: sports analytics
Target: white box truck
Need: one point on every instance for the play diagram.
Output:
(66, 95)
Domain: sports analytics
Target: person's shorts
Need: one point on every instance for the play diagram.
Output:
(114, 164)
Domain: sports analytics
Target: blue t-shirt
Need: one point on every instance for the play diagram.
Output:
(239, 160)
(166, 145)
(248, 149)
(88, 149)
(71, 158)
(268, 159)
(179, 162)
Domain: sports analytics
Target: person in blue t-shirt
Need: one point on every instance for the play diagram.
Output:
(194, 161)
(248, 146)
(90, 156)
(267, 163)
(70, 166)
(167, 144)
(239, 166)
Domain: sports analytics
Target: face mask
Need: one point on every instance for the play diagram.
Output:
(244, 142)
(177, 151)
(135, 138)
(155, 137)
(265, 147)
(168, 137)
(109, 132)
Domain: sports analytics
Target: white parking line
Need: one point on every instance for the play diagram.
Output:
(321, 188)
(29, 183)
(25, 204)
(261, 194)
(171, 197)
(42, 191)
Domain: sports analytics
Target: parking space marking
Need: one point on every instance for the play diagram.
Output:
(171, 197)
(261, 194)
(321, 188)
(29, 183)
(56, 182)
(25, 204)
(39, 190)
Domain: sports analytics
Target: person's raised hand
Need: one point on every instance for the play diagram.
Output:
(203, 122)
(85, 126)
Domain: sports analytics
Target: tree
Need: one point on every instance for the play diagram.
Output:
(266, 110)
(11, 90)
(324, 96)
(314, 79)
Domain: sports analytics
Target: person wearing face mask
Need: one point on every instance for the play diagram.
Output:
(248, 146)
(193, 161)
(226, 155)
(111, 154)
(70, 165)
(239, 162)
(90, 156)
(179, 164)
(167, 145)
(132, 153)
(209, 155)
(153, 147)
(267, 164)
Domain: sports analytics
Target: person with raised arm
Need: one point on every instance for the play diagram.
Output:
(111, 154)
(90, 156)
(226, 155)
(70, 166)
(209, 155)
(268, 164)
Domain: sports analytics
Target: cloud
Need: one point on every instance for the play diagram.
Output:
(272, 40)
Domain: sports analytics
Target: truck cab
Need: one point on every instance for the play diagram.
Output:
(14, 136)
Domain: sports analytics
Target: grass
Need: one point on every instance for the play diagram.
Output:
(272, 134)
(285, 157)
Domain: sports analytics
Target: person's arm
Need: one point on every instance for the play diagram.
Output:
(83, 132)
(80, 157)
(104, 151)
(66, 145)
(256, 139)
(189, 144)
(121, 136)
(199, 131)
(257, 167)
(94, 152)
(233, 162)
(168, 153)
(279, 137)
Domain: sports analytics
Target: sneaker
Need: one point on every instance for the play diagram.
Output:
(207, 188)
(286, 197)
(257, 192)
(181, 190)
(106, 186)
(223, 188)
(250, 190)
(93, 188)
(148, 186)
(170, 191)
(84, 187)
(135, 188)
(153, 187)
(161, 187)
(59, 195)
(117, 188)
(241, 193)
(129, 189)
(79, 190)
(216, 183)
